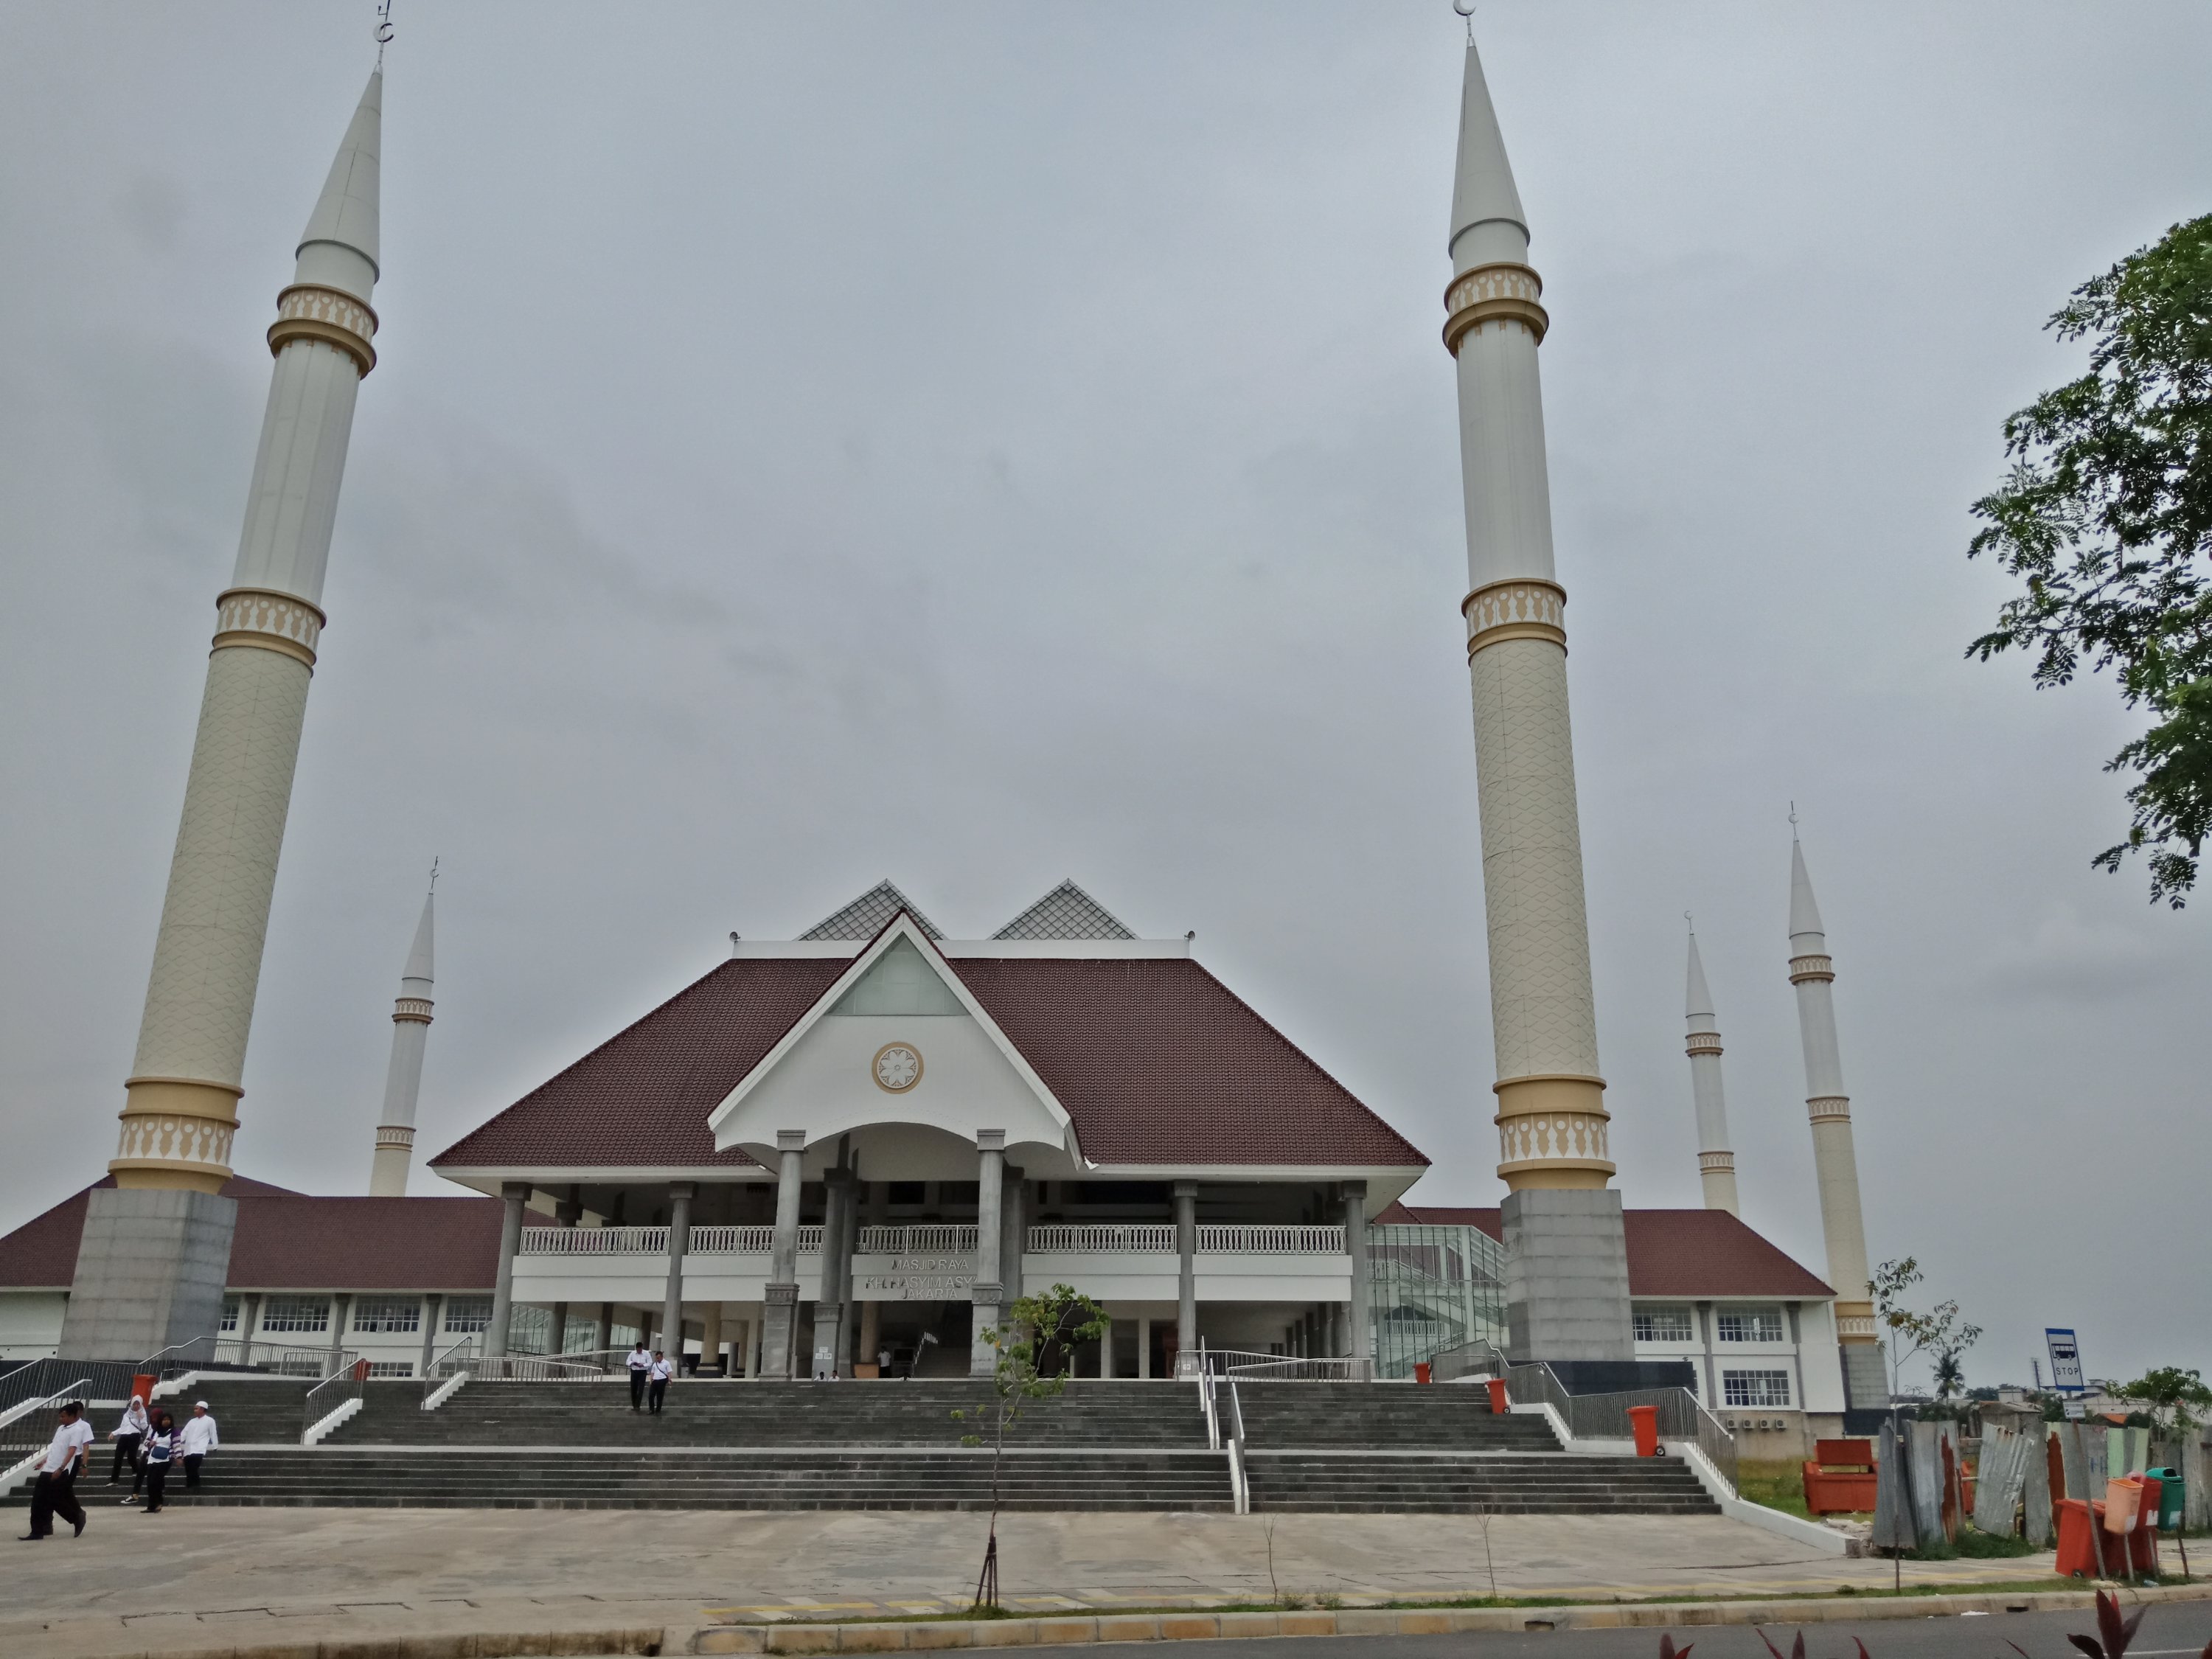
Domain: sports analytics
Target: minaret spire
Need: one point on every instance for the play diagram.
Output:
(1715, 1163)
(156, 1246)
(1567, 1292)
(403, 1079)
(1835, 1158)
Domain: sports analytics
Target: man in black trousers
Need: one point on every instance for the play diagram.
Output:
(661, 1372)
(640, 1363)
(54, 1493)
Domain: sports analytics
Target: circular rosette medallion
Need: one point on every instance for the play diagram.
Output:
(897, 1068)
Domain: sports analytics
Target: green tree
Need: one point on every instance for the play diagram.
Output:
(1939, 1333)
(2172, 1395)
(2105, 516)
(1036, 1358)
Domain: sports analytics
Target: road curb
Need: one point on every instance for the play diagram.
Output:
(1081, 1630)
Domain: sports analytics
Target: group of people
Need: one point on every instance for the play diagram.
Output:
(649, 1371)
(151, 1443)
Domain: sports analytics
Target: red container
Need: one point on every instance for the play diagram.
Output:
(1644, 1421)
(1420, 1370)
(142, 1385)
(2077, 1540)
(1498, 1402)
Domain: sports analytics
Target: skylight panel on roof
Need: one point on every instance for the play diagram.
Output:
(1066, 912)
(868, 915)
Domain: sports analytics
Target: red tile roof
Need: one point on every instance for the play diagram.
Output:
(1155, 1060)
(1685, 1253)
(41, 1254)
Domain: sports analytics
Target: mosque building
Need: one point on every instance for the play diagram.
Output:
(850, 1153)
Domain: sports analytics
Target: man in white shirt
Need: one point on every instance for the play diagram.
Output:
(660, 1372)
(198, 1438)
(54, 1492)
(641, 1365)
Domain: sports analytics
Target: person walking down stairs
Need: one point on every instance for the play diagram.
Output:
(660, 1374)
(161, 1458)
(129, 1435)
(640, 1363)
(54, 1491)
(197, 1439)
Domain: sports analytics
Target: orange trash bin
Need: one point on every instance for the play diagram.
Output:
(1498, 1402)
(1644, 1421)
(1420, 1370)
(2077, 1540)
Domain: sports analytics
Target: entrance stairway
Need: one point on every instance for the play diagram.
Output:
(1099, 1446)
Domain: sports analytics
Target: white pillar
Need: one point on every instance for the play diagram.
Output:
(1185, 1226)
(829, 1298)
(1106, 1351)
(872, 1330)
(680, 1194)
(710, 1340)
(432, 1304)
(989, 1293)
(514, 1194)
(1360, 1314)
(1143, 1346)
(780, 1307)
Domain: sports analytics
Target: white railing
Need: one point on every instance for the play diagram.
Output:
(1278, 1367)
(653, 1241)
(1246, 1239)
(1107, 1238)
(921, 1238)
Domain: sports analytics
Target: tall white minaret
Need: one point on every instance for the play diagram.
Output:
(410, 1030)
(1835, 1159)
(1567, 1288)
(1715, 1163)
(156, 1246)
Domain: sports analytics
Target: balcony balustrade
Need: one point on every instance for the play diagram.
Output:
(1087, 1238)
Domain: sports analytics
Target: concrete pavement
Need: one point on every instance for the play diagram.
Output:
(194, 1579)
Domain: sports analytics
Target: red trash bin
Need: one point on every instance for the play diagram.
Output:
(2077, 1540)
(1498, 1402)
(1644, 1420)
(1420, 1370)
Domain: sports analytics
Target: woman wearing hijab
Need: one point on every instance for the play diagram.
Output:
(160, 1452)
(129, 1435)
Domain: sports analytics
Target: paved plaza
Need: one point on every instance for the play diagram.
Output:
(193, 1579)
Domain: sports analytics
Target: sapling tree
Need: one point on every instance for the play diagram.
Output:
(1940, 1333)
(1034, 1359)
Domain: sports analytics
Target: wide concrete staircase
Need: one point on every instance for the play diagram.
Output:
(1100, 1446)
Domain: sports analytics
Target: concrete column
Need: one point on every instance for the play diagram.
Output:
(710, 1337)
(989, 1293)
(1106, 1352)
(1013, 1231)
(848, 1237)
(1355, 1244)
(1185, 1226)
(1143, 1346)
(433, 1305)
(249, 1326)
(680, 1194)
(779, 1306)
(341, 1305)
(558, 1343)
(829, 1301)
(754, 1326)
(514, 1194)
(872, 1330)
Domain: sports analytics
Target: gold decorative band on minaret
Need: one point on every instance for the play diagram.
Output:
(1518, 608)
(308, 311)
(394, 1135)
(1855, 1323)
(176, 1132)
(1829, 1108)
(1551, 1131)
(265, 620)
(1804, 967)
(414, 1011)
(1705, 1042)
(1708, 1161)
(1501, 293)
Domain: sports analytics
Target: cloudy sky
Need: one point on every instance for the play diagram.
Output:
(982, 444)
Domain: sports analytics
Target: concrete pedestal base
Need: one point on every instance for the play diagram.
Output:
(1866, 1376)
(1566, 1275)
(150, 1270)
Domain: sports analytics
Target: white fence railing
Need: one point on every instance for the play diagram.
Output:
(947, 1238)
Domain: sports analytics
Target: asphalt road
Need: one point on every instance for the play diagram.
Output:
(2169, 1629)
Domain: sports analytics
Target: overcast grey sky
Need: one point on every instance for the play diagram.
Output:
(981, 444)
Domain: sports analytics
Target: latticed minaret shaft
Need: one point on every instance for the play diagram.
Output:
(1569, 1297)
(1715, 1163)
(1835, 1158)
(180, 1100)
(403, 1080)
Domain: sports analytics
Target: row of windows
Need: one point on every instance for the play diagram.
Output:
(1664, 1324)
(310, 1315)
(1756, 1388)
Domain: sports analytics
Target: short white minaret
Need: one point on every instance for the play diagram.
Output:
(410, 1030)
(156, 1246)
(1715, 1163)
(1835, 1159)
(1567, 1287)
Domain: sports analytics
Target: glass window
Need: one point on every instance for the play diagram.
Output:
(1755, 1389)
(388, 1313)
(467, 1313)
(296, 1313)
(392, 1368)
(1751, 1325)
(1662, 1324)
(230, 1313)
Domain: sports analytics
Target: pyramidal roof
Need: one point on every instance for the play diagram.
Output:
(1699, 1004)
(1804, 914)
(869, 914)
(1066, 912)
(346, 211)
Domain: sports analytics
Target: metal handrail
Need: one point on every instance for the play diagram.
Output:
(13, 1439)
(443, 1368)
(1283, 1368)
(1240, 1475)
(534, 1367)
(329, 1395)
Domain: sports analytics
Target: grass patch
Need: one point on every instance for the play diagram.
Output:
(1776, 1483)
